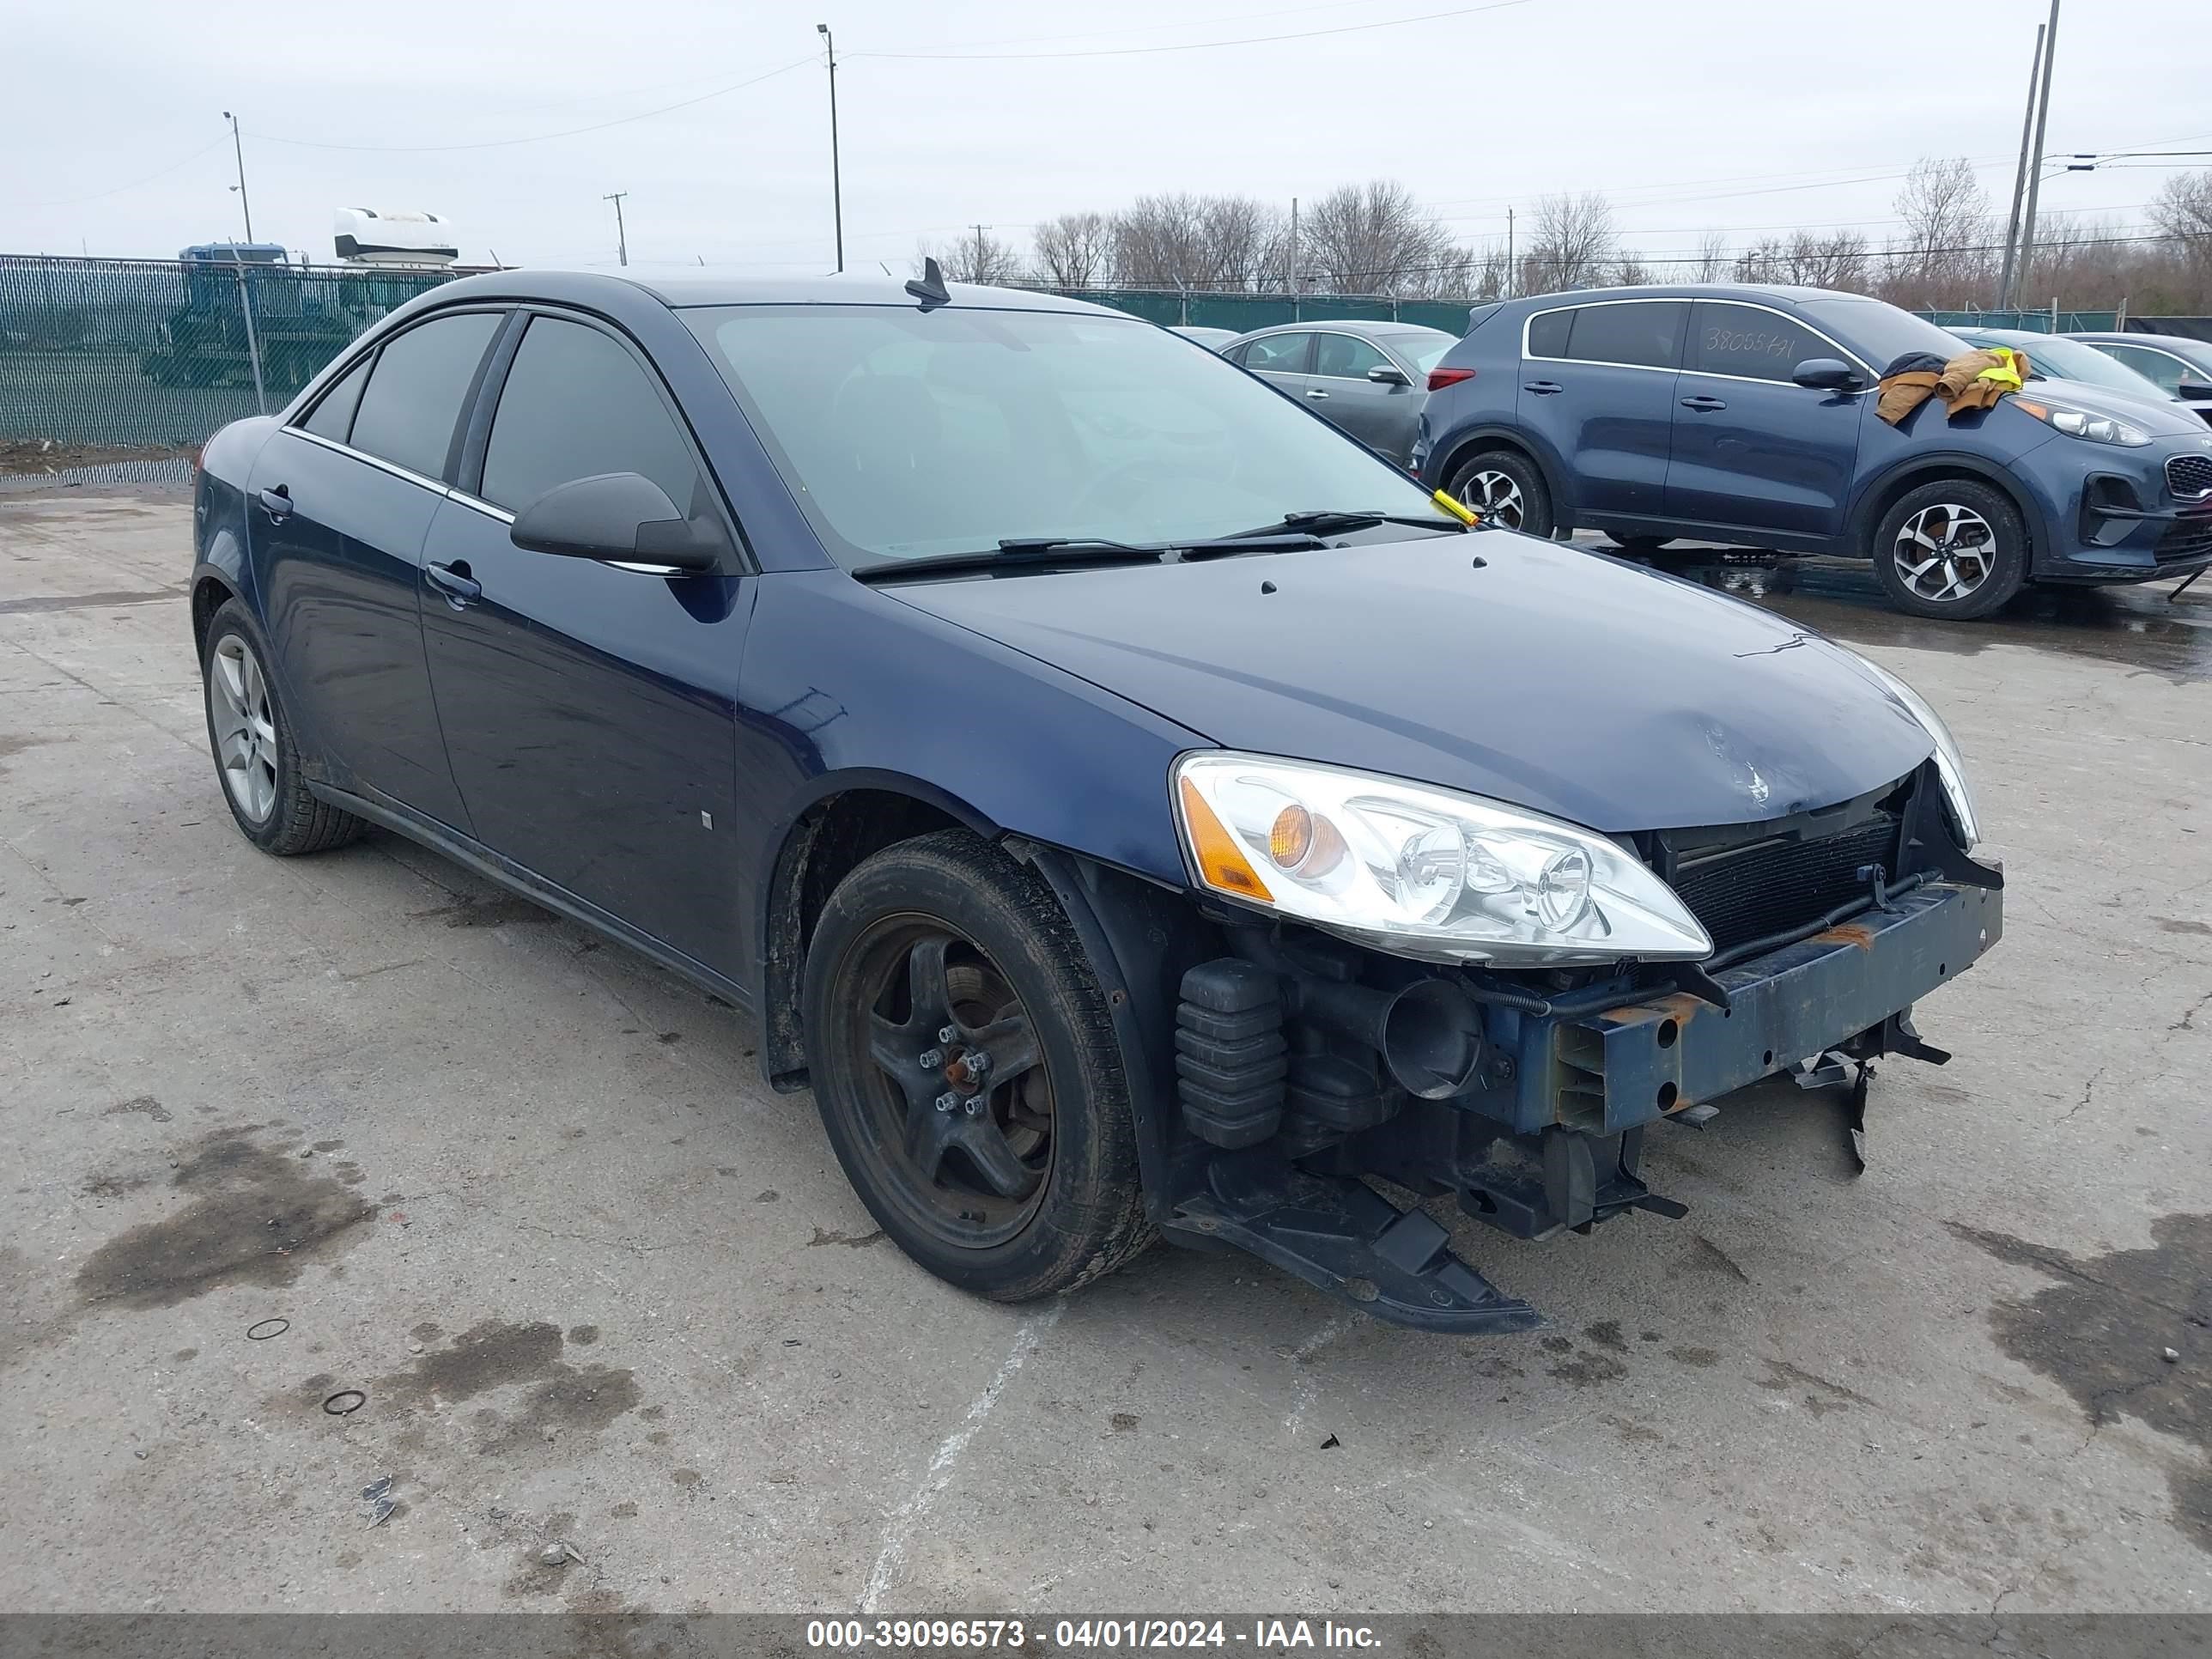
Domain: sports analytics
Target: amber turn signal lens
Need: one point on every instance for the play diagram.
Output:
(1221, 863)
(1290, 837)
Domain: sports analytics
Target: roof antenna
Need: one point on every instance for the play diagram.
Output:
(929, 287)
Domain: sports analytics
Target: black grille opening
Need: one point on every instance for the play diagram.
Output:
(2189, 538)
(2189, 476)
(1748, 892)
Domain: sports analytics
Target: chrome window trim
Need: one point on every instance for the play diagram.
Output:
(377, 461)
(461, 497)
(1849, 356)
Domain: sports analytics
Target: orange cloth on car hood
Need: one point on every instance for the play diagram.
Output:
(1975, 379)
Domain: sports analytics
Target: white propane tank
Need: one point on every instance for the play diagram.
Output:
(401, 237)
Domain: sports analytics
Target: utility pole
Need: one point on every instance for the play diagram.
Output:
(978, 273)
(2035, 170)
(2020, 178)
(1509, 253)
(621, 236)
(238, 148)
(1294, 258)
(836, 188)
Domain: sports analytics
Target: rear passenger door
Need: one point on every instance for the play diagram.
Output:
(341, 500)
(1280, 359)
(1755, 453)
(589, 709)
(1597, 387)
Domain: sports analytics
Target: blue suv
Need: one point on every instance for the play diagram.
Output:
(1745, 414)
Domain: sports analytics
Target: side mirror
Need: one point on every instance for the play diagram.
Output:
(1388, 374)
(2196, 391)
(1826, 374)
(620, 518)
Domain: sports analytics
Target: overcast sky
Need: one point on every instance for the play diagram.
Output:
(1752, 116)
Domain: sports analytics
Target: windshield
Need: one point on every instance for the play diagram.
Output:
(906, 434)
(1426, 349)
(1879, 332)
(2054, 359)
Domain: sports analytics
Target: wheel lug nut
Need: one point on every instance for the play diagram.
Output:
(974, 1105)
(948, 1034)
(947, 1100)
(932, 1058)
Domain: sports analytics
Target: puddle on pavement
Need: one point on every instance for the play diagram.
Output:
(2134, 626)
(2100, 1330)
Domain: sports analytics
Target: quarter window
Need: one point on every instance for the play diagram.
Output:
(1750, 343)
(1647, 334)
(576, 405)
(1342, 357)
(1547, 333)
(415, 392)
(1278, 353)
(333, 415)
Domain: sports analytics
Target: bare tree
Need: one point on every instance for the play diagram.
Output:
(978, 257)
(1375, 238)
(1943, 254)
(1711, 264)
(1631, 272)
(2183, 210)
(1573, 242)
(1488, 270)
(1076, 250)
(1241, 240)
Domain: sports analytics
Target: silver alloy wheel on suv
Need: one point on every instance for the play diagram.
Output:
(1943, 552)
(244, 731)
(1497, 497)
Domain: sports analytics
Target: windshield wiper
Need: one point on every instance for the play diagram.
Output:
(1015, 552)
(1328, 521)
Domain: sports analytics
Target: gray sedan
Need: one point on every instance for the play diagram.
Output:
(1370, 379)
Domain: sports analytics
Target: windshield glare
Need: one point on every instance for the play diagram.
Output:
(2054, 359)
(906, 433)
(1880, 332)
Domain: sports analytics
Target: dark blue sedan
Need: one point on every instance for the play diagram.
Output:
(1131, 806)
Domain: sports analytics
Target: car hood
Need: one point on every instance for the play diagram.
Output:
(1524, 670)
(2160, 415)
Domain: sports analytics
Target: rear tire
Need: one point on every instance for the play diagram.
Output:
(257, 761)
(1027, 1184)
(1954, 550)
(1507, 489)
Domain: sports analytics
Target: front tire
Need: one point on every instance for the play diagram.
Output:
(256, 759)
(1956, 549)
(1506, 488)
(967, 1071)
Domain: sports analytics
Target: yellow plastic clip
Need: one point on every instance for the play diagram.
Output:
(1451, 504)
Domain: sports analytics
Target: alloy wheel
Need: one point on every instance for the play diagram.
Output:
(1944, 552)
(1497, 498)
(244, 727)
(959, 1106)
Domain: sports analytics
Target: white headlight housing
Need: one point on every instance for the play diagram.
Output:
(1950, 764)
(2084, 425)
(1422, 873)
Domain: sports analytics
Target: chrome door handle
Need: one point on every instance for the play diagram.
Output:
(457, 586)
(1315, 391)
(277, 503)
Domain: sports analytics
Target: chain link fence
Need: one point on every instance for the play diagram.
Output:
(153, 354)
(1240, 313)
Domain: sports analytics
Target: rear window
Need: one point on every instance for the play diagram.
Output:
(415, 391)
(1644, 334)
(1547, 333)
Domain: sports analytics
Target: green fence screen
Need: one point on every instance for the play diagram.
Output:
(2030, 322)
(158, 353)
(1240, 313)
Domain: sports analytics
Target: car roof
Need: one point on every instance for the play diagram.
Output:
(1382, 325)
(1690, 291)
(2183, 343)
(679, 289)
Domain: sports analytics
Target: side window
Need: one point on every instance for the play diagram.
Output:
(1647, 334)
(415, 391)
(1547, 333)
(1341, 357)
(2158, 366)
(576, 405)
(1748, 342)
(1278, 353)
(333, 415)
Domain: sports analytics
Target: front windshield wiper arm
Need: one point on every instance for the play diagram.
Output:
(1327, 520)
(1014, 553)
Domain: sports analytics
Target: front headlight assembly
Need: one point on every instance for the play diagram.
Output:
(2080, 423)
(1422, 873)
(1950, 764)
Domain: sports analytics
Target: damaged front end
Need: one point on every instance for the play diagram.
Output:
(1306, 1064)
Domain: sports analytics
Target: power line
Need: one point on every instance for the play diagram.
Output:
(99, 195)
(1195, 45)
(540, 137)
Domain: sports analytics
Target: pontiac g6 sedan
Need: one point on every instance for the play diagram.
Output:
(1131, 806)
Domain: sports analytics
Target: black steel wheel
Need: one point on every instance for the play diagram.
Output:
(967, 1070)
